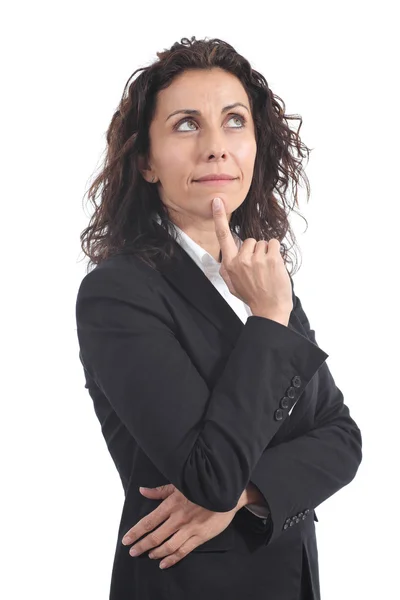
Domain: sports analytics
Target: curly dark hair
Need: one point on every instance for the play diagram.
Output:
(122, 221)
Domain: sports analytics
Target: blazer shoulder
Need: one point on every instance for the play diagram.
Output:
(121, 286)
(126, 270)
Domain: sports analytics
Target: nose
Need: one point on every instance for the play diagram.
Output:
(216, 154)
(215, 146)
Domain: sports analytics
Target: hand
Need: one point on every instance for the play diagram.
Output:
(255, 273)
(192, 525)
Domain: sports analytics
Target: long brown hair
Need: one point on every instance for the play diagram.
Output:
(122, 220)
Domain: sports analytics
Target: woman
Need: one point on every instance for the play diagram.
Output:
(204, 371)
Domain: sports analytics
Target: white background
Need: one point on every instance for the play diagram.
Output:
(64, 66)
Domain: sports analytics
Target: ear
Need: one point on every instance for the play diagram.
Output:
(145, 170)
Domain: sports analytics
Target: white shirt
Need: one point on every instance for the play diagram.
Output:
(210, 267)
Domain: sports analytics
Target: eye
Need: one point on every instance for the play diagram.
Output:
(177, 127)
(241, 119)
(190, 120)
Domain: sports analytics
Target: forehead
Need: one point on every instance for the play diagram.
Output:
(193, 88)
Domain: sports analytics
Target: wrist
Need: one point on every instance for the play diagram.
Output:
(251, 495)
(279, 318)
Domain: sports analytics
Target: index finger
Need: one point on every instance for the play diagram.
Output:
(227, 243)
(145, 525)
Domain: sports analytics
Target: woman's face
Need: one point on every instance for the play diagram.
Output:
(215, 140)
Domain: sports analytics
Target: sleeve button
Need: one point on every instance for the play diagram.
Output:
(278, 414)
(296, 381)
(284, 403)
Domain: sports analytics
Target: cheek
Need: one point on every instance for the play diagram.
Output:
(172, 163)
(246, 154)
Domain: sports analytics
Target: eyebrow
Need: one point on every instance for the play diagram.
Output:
(197, 113)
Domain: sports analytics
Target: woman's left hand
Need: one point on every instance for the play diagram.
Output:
(192, 525)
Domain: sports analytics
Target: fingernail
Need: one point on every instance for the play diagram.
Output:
(162, 565)
(217, 203)
(126, 540)
(133, 552)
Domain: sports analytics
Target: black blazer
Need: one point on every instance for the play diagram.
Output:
(188, 394)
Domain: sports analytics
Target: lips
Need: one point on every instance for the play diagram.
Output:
(216, 177)
(216, 183)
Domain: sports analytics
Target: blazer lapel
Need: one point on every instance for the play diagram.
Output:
(192, 283)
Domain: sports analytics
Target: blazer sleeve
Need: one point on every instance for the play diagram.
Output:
(296, 476)
(205, 442)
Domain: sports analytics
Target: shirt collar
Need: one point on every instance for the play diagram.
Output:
(201, 257)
